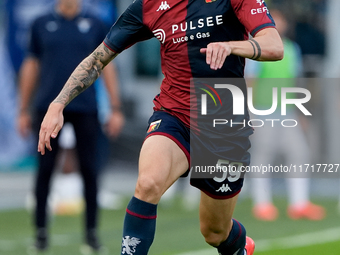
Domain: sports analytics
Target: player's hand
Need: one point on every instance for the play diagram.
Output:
(24, 123)
(115, 124)
(216, 53)
(50, 127)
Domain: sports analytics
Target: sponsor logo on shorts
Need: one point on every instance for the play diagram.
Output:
(154, 126)
(224, 188)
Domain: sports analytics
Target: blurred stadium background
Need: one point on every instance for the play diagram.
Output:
(314, 26)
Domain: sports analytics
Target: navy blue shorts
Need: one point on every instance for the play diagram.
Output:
(223, 179)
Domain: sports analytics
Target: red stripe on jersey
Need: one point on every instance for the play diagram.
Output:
(175, 89)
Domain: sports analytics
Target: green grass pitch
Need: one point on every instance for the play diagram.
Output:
(177, 231)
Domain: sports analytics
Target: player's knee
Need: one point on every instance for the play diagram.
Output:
(213, 237)
(148, 189)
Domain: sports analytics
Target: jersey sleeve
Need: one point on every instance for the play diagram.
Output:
(128, 29)
(253, 14)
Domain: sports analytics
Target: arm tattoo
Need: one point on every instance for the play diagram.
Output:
(259, 51)
(92, 75)
(252, 44)
(85, 74)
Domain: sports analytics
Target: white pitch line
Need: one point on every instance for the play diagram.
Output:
(302, 240)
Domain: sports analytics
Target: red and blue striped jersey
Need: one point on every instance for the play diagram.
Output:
(183, 27)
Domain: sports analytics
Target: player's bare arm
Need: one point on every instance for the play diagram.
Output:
(265, 46)
(85, 74)
(81, 78)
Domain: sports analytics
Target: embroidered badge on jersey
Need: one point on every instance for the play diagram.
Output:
(154, 126)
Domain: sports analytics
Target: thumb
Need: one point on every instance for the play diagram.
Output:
(203, 50)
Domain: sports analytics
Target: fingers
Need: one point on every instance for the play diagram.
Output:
(216, 53)
(45, 138)
(49, 129)
(50, 126)
(203, 50)
(55, 131)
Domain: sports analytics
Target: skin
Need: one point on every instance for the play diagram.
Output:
(269, 40)
(92, 66)
(161, 160)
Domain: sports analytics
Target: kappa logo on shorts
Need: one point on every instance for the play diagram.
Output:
(224, 188)
(154, 126)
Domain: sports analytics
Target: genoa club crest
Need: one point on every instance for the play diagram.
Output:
(154, 125)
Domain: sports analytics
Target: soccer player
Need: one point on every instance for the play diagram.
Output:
(59, 41)
(198, 39)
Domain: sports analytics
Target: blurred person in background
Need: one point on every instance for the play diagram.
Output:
(165, 154)
(59, 41)
(270, 142)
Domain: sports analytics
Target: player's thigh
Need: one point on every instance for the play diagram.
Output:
(161, 163)
(216, 217)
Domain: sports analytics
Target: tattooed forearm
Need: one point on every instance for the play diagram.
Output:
(81, 78)
(92, 75)
(85, 74)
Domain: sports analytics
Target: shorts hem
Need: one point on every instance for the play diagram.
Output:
(218, 196)
(181, 146)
